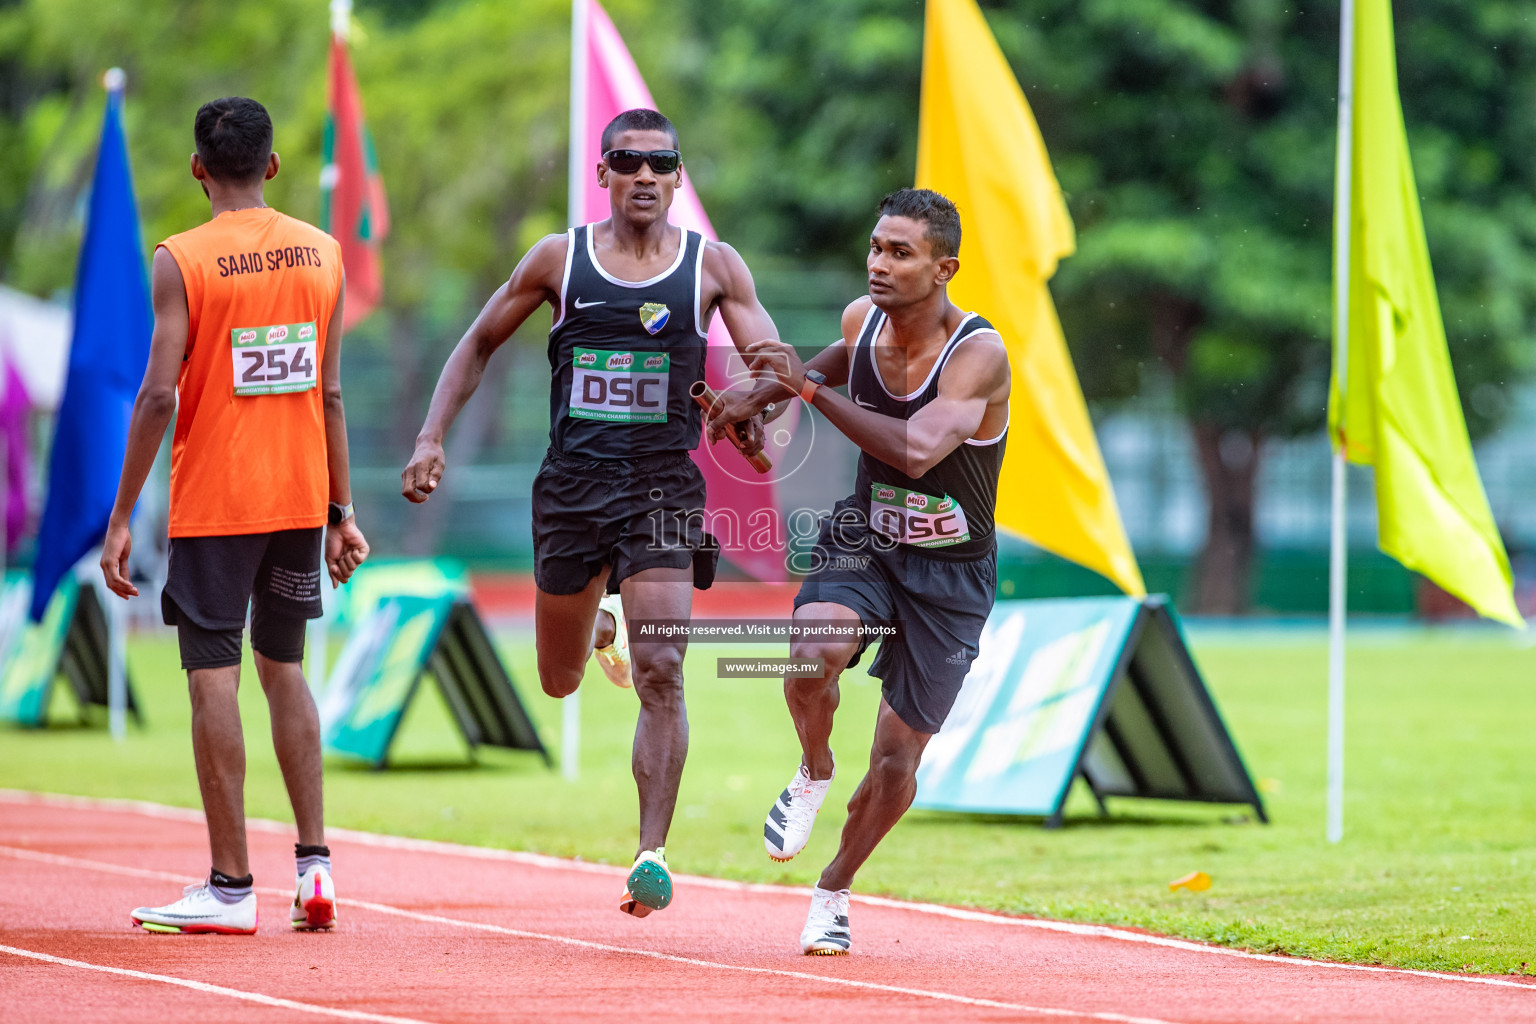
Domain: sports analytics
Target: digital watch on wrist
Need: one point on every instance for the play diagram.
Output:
(336, 514)
(813, 380)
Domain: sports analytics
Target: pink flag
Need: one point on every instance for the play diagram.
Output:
(15, 406)
(743, 506)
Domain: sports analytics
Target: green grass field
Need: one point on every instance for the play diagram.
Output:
(1435, 870)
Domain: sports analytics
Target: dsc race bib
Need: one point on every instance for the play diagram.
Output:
(620, 387)
(911, 517)
(274, 360)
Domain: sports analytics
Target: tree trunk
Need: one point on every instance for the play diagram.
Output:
(1229, 463)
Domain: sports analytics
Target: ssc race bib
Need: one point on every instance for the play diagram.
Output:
(911, 517)
(620, 387)
(274, 360)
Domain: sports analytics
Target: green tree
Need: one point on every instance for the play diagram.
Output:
(797, 119)
(1202, 185)
(1194, 139)
(1195, 142)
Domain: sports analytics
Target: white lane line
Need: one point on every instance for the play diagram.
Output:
(540, 860)
(217, 990)
(78, 863)
(948, 997)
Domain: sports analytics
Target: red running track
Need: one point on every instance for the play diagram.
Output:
(431, 932)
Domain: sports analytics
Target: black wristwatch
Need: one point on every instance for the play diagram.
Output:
(813, 380)
(336, 514)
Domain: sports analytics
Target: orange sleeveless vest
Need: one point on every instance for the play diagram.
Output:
(249, 451)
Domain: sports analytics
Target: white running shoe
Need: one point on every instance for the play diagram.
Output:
(199, 911)
(788, 827)
(614, 658)
(314, 901)
(826, 926)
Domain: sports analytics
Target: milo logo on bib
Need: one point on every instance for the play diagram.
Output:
(274, 360)
(912, 517)
(620, 387)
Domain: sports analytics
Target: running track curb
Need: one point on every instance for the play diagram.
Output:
(154, 810)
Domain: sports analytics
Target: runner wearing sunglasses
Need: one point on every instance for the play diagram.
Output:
(618, 523)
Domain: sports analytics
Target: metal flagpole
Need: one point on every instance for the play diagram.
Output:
(570, 707)
(116, 82)
(318, 638)
(1338, 551)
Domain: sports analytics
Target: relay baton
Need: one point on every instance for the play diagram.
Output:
(707, 399)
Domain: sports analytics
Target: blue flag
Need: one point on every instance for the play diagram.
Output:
(107, 357)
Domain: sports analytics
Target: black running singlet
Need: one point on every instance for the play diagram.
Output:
(623, 354)
(948, 511)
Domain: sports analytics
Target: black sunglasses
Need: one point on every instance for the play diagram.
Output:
(628, 161)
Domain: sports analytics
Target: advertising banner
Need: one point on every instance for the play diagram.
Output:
(1102, 688)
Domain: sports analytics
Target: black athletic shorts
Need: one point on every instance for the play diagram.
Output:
(212, 581)
(631, 514)
(942, 605)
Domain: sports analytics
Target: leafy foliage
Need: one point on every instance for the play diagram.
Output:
(1194, 140)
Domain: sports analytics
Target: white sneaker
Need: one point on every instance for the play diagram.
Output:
(199, 911)
(614, 658)
(314, 901)
(826, 926)
(788, 827)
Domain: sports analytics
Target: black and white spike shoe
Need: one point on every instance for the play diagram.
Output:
(788, 827)
(826, 926)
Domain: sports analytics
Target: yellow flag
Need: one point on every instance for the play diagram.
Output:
(1399, 410)
(978, 144)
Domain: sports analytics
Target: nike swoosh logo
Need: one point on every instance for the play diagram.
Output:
(584, 305)
(860, 401)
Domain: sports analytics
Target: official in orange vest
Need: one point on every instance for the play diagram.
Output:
(248, 336)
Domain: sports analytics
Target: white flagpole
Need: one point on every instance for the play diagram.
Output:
(116, 82)
(1338, 550)
(341, 18)
(576, 180)
(318, 631)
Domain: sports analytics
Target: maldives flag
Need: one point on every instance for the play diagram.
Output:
(352, 206)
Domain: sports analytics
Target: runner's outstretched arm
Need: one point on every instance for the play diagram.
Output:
(976, 375)
(535, 282)
(832, 361)
(737, 406)
(152, 412)
(747, 321)
(345, 547)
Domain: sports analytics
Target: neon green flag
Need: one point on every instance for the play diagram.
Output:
(1399, 411)
(978, 144)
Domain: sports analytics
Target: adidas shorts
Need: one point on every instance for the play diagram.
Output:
(942, 605)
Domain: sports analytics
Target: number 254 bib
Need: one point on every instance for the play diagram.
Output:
(911, 517)
(274, 360)
(620, 387)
